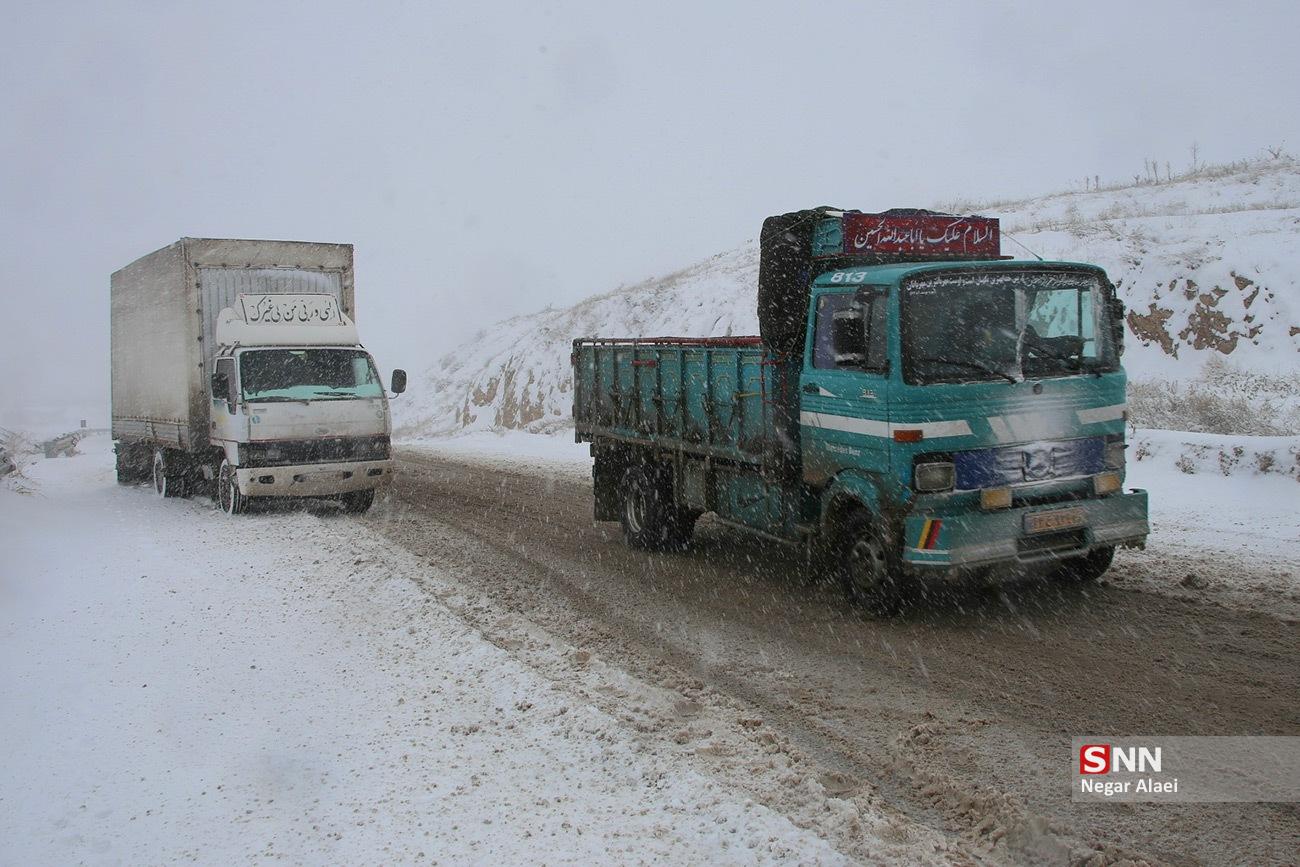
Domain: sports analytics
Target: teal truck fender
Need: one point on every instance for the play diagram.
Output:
(848, 489)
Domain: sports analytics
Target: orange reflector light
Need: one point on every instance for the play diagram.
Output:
(1105, 483)
(909, 435)
(995, 498)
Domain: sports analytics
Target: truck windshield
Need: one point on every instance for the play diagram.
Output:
(307, 374)
(978, 326)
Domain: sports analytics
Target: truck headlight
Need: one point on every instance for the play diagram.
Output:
(1115, 455)
(933, 476)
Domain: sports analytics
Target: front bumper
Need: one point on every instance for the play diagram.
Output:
(314, 480)
(979, 538)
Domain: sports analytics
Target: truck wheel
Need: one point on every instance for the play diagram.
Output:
(229, 499)
(870, 568)
(358, 502)
(646, 511)
(1089, 567)
(167, 480)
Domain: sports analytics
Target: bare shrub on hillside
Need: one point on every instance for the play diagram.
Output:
(1225, 399)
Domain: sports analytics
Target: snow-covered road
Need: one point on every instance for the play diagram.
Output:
(179, 685)
(956, 715)
(467, 676)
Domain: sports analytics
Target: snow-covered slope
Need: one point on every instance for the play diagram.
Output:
(1209, 266)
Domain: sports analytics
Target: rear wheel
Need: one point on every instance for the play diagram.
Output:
(358, 502)
(650, 518)
(1089, 567)
(168, 477)
(870, 568)
(229, 499)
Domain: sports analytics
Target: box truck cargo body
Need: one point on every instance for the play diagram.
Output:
(183, 320)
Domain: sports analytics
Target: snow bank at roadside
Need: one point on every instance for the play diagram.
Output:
(175, 684)
(1225, 524)
(553, 454)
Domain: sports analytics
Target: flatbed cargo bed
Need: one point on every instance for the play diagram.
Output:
(710, 396)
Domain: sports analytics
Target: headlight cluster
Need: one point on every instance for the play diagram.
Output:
(931, 475)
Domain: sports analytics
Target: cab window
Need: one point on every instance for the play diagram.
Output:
(823, 346)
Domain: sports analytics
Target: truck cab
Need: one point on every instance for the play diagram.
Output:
(298, 409)
(980, 403)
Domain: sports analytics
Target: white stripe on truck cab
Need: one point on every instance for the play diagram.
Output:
(874, 428)
(1097, 414)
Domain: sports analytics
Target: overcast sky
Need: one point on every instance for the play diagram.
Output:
(488, 159)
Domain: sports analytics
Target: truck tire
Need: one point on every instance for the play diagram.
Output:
(168, 478)
(229, 499)
(358, 502)
(1089, 567)
(870, 566)
(649, 517)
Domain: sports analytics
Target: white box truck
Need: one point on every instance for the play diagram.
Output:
(236, 368)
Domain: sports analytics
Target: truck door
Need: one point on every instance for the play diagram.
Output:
(228, 423)
(844, 411)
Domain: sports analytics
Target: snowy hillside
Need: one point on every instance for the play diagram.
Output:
(1209, 266)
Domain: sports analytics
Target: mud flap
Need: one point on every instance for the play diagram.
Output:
(606, 472)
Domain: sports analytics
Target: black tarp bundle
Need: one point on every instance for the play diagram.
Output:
(785, 272)
(784, 278)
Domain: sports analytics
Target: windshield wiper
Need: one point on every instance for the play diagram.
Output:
(970, 363)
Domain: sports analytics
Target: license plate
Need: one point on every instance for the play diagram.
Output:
(322, 476)
(1060, 519)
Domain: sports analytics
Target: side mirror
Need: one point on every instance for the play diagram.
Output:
(398, 385)
(223, 388)
(1116, 323)
(849, 337)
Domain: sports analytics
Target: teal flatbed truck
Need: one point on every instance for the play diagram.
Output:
(915, 406)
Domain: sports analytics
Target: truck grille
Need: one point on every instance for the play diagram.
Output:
(1029, 463)
(323, 451)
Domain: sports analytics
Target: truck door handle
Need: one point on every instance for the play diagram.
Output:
(811, 388)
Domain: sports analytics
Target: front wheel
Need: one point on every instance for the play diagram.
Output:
(1089, 567)
(870, 568)
(229, 499)
(358, 502)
